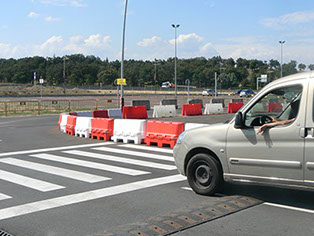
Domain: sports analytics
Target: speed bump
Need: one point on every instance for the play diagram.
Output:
(180, 220)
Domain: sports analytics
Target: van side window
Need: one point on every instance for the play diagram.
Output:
(279, 104)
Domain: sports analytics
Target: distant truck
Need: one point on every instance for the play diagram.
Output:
(167, 85)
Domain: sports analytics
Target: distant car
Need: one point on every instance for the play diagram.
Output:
(167, 85)
(247, 93)
(237, 91)
(208, 92)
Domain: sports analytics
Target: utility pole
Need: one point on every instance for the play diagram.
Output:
(122, 53)
(175, 58)
(281, 52)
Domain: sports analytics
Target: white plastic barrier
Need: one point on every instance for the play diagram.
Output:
(85, 113)
(211, 108)
(193, 125)
(164, 111)
(115, 113)
(64, 119)
(83, 126)
(129, 130)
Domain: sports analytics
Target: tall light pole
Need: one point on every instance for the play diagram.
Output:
(175, 58)
(281, 44)
(155, 75)
(122, 56)
(64, 58)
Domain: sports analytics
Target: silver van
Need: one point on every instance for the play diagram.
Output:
(283, 155)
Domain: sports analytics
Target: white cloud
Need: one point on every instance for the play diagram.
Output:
(96, 40)
(32, 15)
(147, 42)
(64, 3)
(295, 18)
(50, 19)
(186, 39)
(4, 27)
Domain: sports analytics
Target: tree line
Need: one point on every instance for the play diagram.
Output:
(83, 70)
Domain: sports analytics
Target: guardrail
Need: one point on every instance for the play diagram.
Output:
(11, 108)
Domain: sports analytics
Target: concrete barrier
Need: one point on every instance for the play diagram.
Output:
(115, 113)
(196, 101)
(141, 103)
(128, 130)
(189, 126)
(211, 108)
(219, 100)
(164, 111)
(169, 102)
(237, 100)
(83, 126)
(85, 113)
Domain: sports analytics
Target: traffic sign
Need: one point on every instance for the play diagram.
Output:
(41, 81)
(121, 81)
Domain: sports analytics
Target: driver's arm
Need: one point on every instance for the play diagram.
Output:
(273, 124)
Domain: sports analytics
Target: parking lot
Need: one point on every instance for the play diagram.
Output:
(57, 184)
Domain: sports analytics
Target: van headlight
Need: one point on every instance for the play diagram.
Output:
(180, 138)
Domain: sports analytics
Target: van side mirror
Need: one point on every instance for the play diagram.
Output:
(239, 122)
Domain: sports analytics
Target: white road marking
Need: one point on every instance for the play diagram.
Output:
(72, 174)
(85, 196)
(147, 148)
(122, 160)
(89, 164)
(3, 196)
(289, 207)
(134, 153)
(187, 188)
(28, 182)
(52, 149)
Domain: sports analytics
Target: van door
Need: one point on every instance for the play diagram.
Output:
(277, 155)
(309, 139)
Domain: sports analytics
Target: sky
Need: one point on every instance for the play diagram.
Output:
(248, 29)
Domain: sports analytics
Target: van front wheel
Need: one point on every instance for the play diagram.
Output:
(204, 174)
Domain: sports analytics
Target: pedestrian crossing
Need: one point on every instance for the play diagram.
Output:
(27, 168)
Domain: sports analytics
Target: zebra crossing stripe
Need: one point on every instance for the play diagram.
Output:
(55, 170)
(28, 182)
(33, 207)
(3, 196)
(122, 160)
(147, 148)
(90, 164)
(135, 153)
(52, 149)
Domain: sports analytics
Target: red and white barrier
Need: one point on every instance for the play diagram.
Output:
(83, 126)
(129, 130)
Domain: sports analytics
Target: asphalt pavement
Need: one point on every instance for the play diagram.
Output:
(57, 184)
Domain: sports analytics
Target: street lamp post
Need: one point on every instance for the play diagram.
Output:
(175, 58)
(281, 53)
(122, 56)
(64, 58)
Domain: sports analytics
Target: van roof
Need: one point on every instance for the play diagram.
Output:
(300, 75)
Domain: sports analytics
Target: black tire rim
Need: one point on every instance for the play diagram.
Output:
(203, 174)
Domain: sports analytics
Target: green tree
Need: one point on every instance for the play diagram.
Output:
(301, 67)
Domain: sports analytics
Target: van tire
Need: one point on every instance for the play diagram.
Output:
(204, 174)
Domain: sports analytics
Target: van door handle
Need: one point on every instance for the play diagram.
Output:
(302, 132)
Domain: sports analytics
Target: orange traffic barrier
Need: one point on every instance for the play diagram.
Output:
(100, 114)
(191, 109)
(233, 107)
(60, 119)
(134, 112)
(70, 126)
(274, 107)
(102, 128)
(163, 132)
